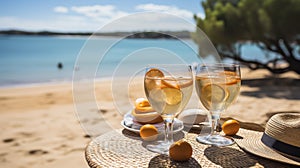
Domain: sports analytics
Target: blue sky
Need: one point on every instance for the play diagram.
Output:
(90, 15)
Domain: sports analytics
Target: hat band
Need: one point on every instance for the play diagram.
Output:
(280, 146)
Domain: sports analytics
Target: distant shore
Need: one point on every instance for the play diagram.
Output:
(134, 34)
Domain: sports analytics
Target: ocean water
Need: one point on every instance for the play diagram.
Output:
(28, 60)
(33, 59)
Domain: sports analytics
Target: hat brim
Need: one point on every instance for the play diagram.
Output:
(250, 141)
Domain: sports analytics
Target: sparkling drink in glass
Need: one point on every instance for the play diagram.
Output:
(168, 88)
(217, 86)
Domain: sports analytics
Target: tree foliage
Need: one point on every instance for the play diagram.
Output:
(272, 25)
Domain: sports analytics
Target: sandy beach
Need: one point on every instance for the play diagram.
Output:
(40, 126)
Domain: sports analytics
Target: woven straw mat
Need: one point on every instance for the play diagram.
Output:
(122, 148)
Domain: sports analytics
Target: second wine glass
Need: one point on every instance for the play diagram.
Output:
(168, 88)
(217, 86)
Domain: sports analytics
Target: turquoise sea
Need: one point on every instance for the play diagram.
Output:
(26, 60)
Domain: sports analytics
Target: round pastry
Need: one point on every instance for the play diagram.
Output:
(144, 113)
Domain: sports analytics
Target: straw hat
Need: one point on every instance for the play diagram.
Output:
(280, 141)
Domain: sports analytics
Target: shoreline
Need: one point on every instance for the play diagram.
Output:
(50, 83)
(246, 74)
(132, 34)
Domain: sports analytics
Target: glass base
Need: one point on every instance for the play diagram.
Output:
(216, 140)
(161, 147)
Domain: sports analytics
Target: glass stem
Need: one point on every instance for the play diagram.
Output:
(169, 130)
(215, 118)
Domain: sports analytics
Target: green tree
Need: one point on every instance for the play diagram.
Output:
(272, 25)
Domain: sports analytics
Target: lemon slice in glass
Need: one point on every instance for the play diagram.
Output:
(154, 73)
(186, 84)
(214, 93)
(151, 80)
(232, 80)
(157, 95)
(173, 96)
(170, 83)
(158, 98)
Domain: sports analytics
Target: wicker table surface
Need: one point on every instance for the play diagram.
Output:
(122, 148)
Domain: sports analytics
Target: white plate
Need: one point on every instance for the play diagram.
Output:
(131, 125)
(193, 116)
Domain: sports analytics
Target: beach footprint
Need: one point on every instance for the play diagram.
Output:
(37, 152)
(8, 140)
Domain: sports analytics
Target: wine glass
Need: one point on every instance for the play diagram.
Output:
(168, 88)
(217, 86)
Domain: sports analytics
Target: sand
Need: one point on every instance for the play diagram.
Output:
(43, 126)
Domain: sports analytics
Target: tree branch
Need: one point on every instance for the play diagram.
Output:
(266, 47)
(289, 48)
(254, 65)
(280, 50)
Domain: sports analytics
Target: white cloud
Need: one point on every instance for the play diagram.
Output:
(107, 17)
(163, 8)
(201, 15)
(62, 23)
(99, 12)
(61, 9)
(149, 21)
